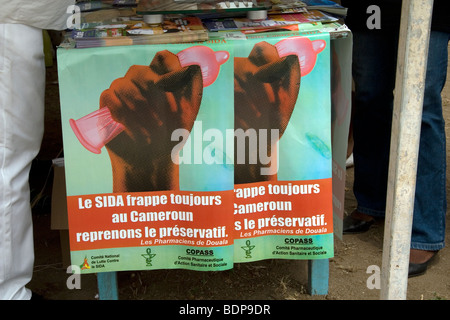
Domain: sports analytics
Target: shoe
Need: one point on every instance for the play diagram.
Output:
(418, 269)
(352, 225)
(349, 162)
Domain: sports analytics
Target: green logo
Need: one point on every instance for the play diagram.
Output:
(148, 257)
(248, 249)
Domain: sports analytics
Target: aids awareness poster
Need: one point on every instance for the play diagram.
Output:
(197, 156)
(283, 204)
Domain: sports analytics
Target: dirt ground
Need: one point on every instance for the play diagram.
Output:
(264, 280)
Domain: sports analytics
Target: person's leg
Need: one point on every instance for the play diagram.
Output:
(374, 66)
(22, 89)
(428, 231)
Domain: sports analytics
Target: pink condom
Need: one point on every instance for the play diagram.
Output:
(98, 128)
(208, 60)
(305, 49)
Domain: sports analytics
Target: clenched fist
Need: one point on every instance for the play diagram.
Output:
(151, 102)
(266, 88)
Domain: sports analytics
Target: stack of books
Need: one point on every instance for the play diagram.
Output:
(121, 22)
(327, 6)
(274, 22)
(135, 32)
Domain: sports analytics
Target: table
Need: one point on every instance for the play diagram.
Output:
(340, 88)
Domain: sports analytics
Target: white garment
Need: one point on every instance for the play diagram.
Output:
(22, 91)
(43, 14)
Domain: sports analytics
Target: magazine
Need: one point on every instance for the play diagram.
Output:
(308, 16)
(229, 24)
(287, 6)
(273, 22)
(172, 30)
(327, 6)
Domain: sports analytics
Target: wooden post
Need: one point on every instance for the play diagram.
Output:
(406, 122)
